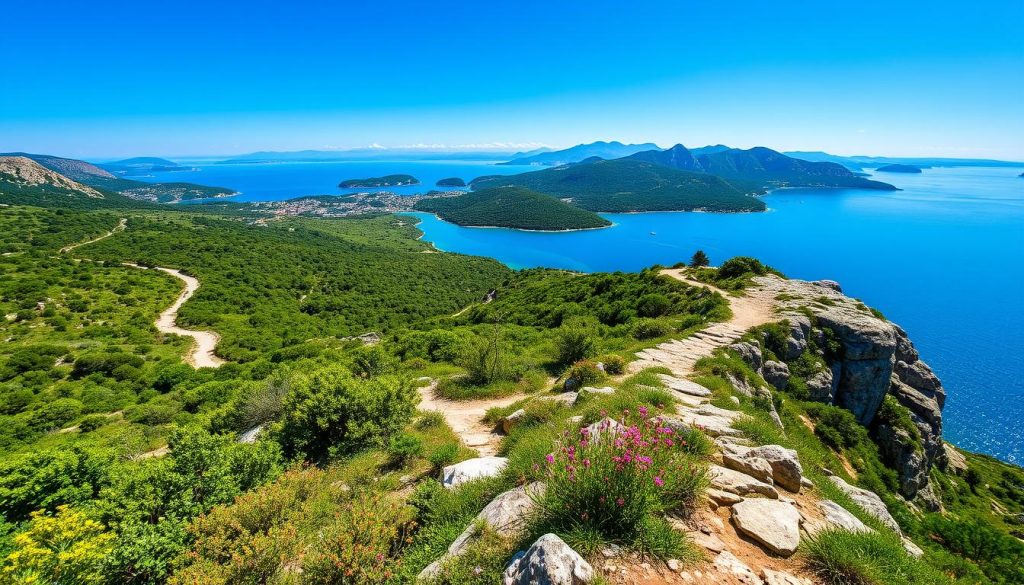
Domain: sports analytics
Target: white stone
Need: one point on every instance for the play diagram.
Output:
(738, 483)
(548, 561)
(774, 524)
(470, 469)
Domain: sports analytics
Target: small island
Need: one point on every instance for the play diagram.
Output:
(511, 207)
(385, 181)
(897, 168)
(451, 182)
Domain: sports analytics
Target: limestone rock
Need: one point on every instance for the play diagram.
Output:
(829, 284)
(955, 460)
(868, 501)
(820, 385)
(548, 561)
(772, 523)
(507, 513)
(836, 516)
(744, 462)
(710, 542)
(749, 353)
(607, 425)
(727, 563)
(470, 469)
(728, 480)
(776, 374)
(567, 398)
(911, 548)
(785, 463)
(723, 498)
(684, 386)
(779, 578)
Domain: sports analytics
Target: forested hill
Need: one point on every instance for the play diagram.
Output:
(513, 207)
(760, 166)
(624, 185)
(93, 176)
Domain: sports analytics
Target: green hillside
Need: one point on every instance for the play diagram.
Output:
(624, 185)
(513, 207)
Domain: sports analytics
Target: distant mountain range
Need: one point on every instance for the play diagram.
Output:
(858, 163)
(410, 154)
(605, 150)
(102, 180)
(758, 168)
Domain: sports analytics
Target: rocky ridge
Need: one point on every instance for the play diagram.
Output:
(24, 171)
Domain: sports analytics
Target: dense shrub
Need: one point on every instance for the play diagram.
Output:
(836, 426)
(643, 329)
(653, 305)
(741, 266)
(331, 412)
(584, 372)
(999, 555)
(574, 342)
(614, 364)
(445, 454)
(403, 448)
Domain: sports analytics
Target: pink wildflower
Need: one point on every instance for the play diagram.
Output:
(658, 481)
(620, 502)
(550, 458)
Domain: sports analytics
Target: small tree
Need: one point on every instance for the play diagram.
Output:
(699, 259)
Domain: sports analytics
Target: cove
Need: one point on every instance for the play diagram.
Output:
(944, 258)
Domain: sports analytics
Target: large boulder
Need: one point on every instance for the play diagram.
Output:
(470, 469)
(684, 386)
(785, 464)
(821, 386)
(773, 523)
(508, 514)
(869, 502)
(749, 353)
(548, 561)
(776, 373)
(836, 516)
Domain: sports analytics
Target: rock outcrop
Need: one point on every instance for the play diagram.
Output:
(470, 469)
(548, 561)
(773, 523)
(862, 358)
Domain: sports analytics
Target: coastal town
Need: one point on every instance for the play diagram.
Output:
(347, 205)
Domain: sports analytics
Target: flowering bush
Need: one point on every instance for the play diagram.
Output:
(612, 479)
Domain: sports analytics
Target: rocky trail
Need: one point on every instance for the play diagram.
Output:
(465, 417)
(759, 505)
(680, 355)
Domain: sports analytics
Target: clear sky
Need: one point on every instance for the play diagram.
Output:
(96, 79)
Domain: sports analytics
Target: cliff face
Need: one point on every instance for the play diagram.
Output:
(864, 358)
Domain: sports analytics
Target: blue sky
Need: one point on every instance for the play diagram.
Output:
(96, 79)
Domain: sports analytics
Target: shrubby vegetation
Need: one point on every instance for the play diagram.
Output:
(512, 207)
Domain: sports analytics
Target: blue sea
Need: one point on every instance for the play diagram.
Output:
(943, 257)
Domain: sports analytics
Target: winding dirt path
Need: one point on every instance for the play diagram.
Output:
(465, 417)
(121, 225)
(202, 355)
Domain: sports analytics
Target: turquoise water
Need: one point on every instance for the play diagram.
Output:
(278, 181)
(944, 258)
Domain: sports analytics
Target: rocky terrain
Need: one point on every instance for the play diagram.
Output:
(26, 172)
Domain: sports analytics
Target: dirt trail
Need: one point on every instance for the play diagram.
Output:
(465, 417)
(754, 308)
(202, 355)
(121, 225)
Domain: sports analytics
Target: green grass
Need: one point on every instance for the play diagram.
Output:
(846, 558)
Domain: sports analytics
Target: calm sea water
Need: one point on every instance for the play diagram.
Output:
(277, 181)
(944, 258)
